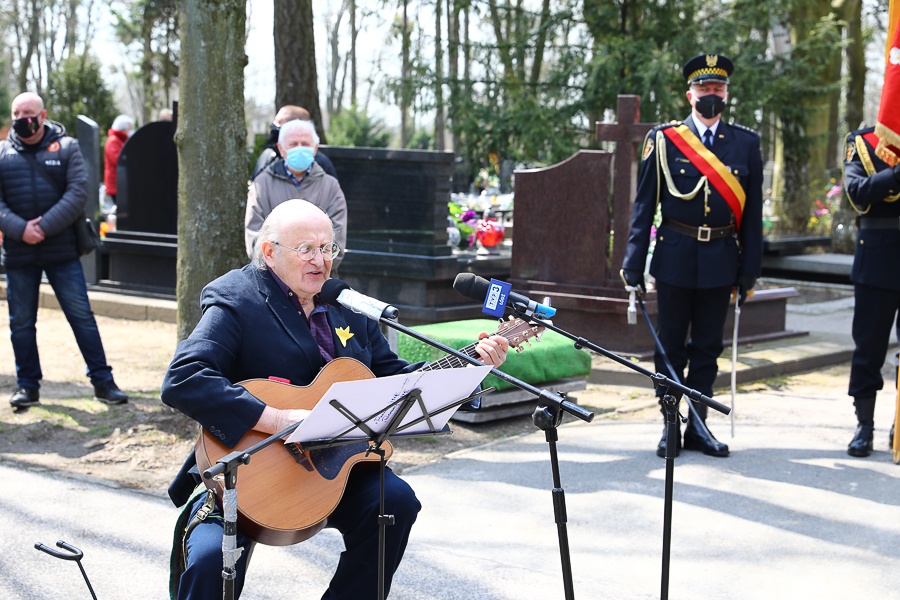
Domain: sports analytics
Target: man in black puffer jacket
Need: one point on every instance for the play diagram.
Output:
(43, 192)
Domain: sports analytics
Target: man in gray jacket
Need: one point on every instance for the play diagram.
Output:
(43, 192)
(294, 176)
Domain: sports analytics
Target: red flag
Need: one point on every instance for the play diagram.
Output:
(888, 127)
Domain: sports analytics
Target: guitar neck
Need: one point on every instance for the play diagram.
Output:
(452, 362)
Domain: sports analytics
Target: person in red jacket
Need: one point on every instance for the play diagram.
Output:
(118, 134)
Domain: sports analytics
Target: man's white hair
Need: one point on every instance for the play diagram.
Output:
(123, 123)
(297, 125)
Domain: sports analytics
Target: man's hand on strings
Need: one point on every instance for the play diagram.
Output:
(272, 420)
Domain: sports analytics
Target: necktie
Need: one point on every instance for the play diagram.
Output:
(708, 138)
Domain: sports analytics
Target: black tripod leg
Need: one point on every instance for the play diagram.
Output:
(383, 521)
(670, 405)
(548, 419)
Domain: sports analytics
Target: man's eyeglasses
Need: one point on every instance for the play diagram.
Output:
(307, 250)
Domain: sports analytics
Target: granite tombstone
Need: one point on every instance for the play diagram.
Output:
(140, 254)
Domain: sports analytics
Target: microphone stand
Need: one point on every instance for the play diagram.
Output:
(228, 466)
(547, 416)
(669, 405)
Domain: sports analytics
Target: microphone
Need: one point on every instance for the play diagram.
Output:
(497, 295)
(335, 291)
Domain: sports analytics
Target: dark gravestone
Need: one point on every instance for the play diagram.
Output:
(397, 233)
(147, 180)
(141, 253)
(562, 249)
(568, 216)
(88, 134)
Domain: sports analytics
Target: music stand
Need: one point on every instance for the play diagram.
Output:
(375, 410)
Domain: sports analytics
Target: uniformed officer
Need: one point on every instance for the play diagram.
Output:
(706, 176)
(873, 188)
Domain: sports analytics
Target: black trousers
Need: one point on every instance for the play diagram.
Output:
(690, 323)
(874, 312)
(356, 517)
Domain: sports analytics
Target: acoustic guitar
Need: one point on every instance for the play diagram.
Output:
(285, 493)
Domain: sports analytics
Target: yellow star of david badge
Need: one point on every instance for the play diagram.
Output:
(343, 334)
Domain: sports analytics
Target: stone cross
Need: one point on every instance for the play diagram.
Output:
(627, 133)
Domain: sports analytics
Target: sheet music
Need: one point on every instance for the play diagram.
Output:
(366, 398)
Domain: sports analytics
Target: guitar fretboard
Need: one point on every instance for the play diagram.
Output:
(451, 361)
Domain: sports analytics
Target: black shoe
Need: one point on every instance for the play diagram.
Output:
(24, 397)
(109, 393)
(661, 447)
(699, 438)
(861, 444)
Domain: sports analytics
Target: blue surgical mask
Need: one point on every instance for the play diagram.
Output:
(300, 157)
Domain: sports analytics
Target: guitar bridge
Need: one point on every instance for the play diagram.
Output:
(300, 456)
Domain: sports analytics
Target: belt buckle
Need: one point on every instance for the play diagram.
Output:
(704, 234)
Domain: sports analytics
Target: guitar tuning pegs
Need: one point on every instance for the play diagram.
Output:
(519, 349)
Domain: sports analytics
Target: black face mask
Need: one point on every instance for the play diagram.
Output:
(273, 135)
(710, 106)
(25, 127)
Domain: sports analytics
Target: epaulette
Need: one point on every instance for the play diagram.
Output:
(854, 134)
(650, 138)
(745, 128)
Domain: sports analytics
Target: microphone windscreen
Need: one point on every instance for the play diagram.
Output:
(331, 289)
(471, 286)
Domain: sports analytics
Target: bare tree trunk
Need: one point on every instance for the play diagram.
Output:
(856, 66)
(453, 10)
(543, 29)
(438, 78)
(211, 149)
(31, 45)
(332, 96)
(295, 59)
(71, 28)
(404, 77)
(353, 33)
(467, 54)
(147, 69)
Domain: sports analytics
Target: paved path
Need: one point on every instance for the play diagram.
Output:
(788, 515)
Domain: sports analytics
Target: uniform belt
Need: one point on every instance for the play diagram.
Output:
(701, 234)
(873, 223)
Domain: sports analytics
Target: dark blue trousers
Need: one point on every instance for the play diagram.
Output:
(690, 323)
(356, 517)
(874, 311)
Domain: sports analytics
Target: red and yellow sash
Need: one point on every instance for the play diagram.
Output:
(709, 164)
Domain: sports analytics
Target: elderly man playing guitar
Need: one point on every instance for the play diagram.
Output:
(267, 321)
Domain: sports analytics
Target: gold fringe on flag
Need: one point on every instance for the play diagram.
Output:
(888, 126)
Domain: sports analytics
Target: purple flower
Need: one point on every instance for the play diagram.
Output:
(469, 217)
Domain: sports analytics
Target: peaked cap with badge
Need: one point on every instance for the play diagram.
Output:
(708, 67)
